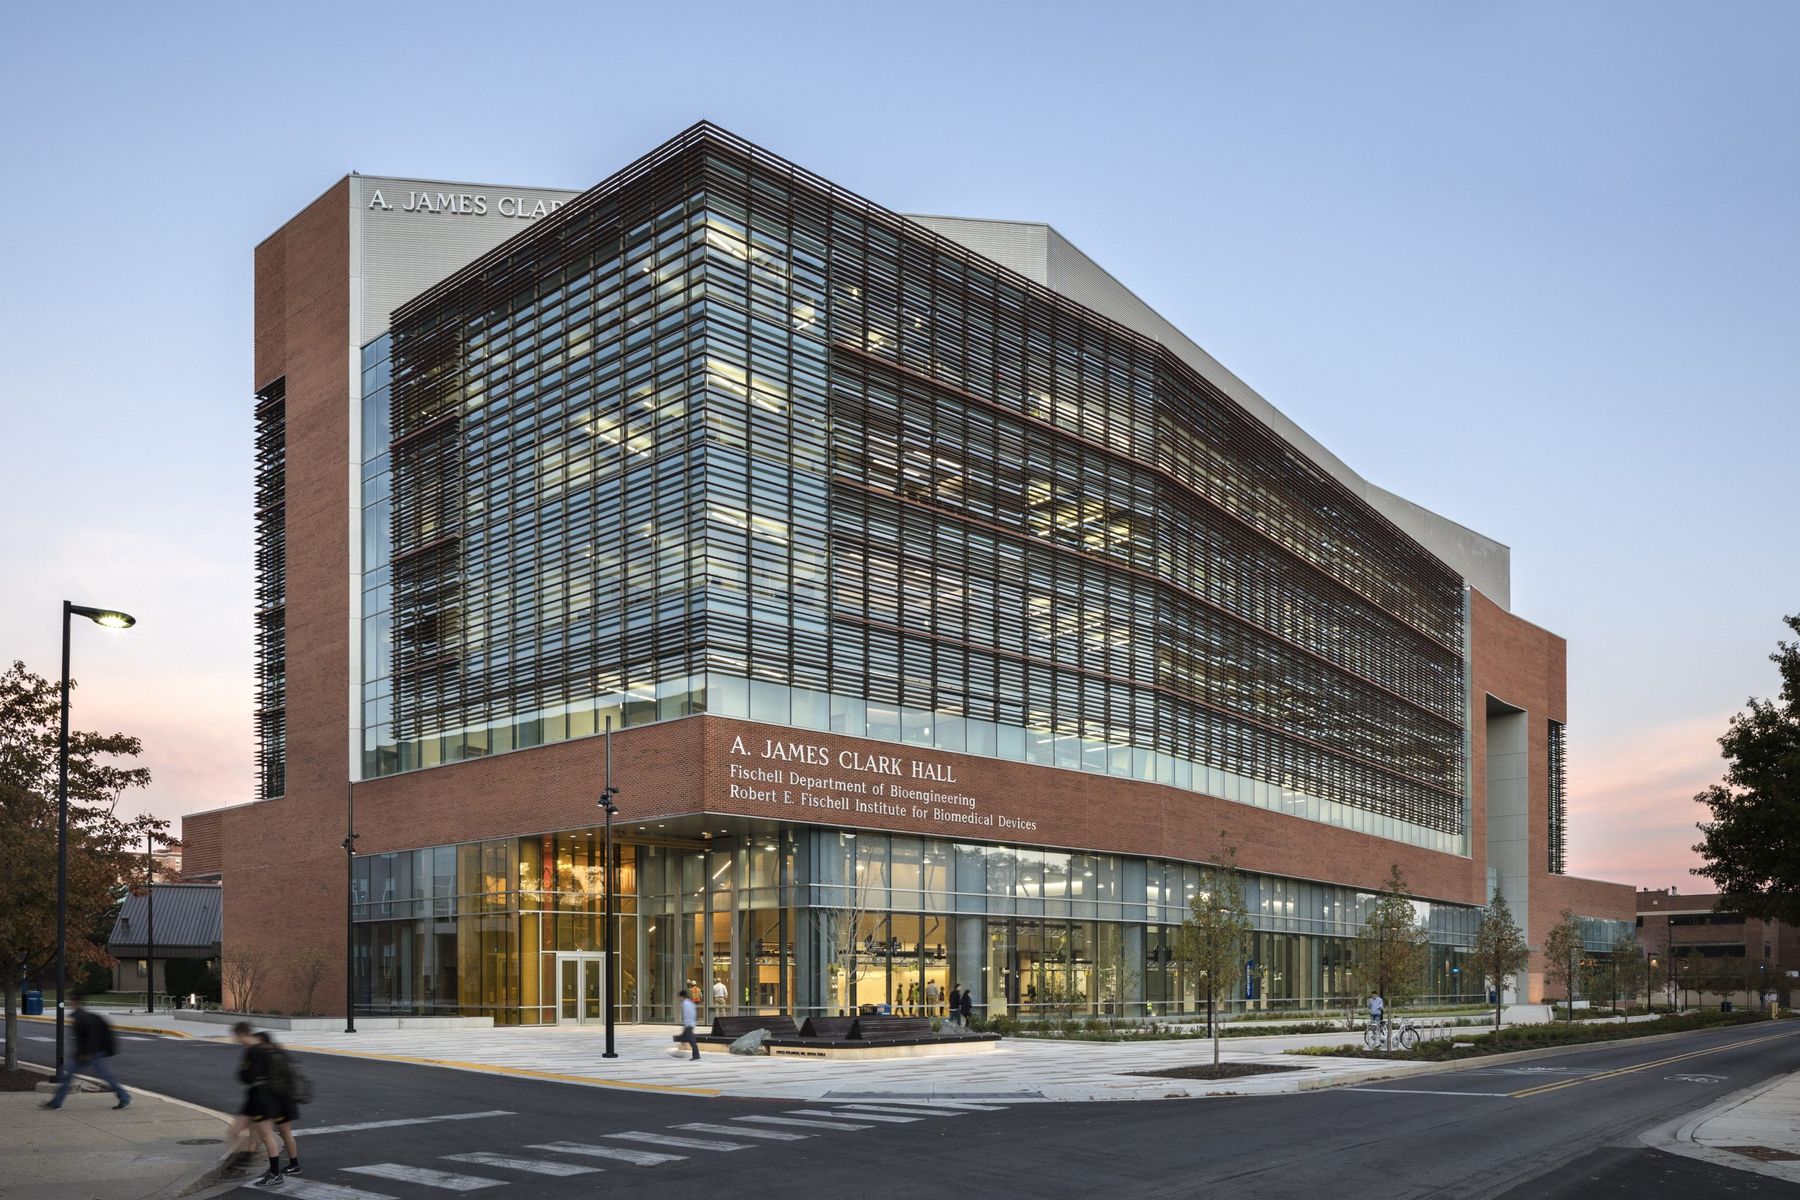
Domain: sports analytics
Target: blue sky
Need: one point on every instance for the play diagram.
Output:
(1532, 265)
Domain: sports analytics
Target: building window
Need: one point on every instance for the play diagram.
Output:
(1558, 804)
(271, 589)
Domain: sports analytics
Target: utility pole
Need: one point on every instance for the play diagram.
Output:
(607, 792)
(150, 922)
(349, 844)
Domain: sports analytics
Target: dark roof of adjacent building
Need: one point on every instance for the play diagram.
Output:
(187, 918)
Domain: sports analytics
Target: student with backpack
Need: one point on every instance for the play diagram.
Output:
(292, 1089)
(261, 1106)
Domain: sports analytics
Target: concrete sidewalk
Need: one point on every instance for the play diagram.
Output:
(88, 1151)
(1755, 1130)
(1021, 1069)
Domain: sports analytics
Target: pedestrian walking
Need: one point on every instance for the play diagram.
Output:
(292, 1089)
(261, 1107)
(968, 1005)
(95, 1046)
(690, 1015)
(956, 994)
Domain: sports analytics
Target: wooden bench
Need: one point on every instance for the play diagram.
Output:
(831, 1029)
(871, 1029)
(726, 1030)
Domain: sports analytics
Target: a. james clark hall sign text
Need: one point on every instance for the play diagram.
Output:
(807, 775)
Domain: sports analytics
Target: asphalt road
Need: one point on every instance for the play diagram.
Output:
(1550, 1128)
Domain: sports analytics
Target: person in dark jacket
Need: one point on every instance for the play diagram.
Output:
(281, 1082)
(262, 1107)
(968, 1005)
(94, 1048)
(956, 995)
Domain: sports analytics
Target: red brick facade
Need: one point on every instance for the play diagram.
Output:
(282, 859)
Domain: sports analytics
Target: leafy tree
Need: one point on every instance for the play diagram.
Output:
(1562, 957)
(1392, 949)
(103, 847)
(1751, 847)
(1215, 938)
(1630, 971)
(1501, 951)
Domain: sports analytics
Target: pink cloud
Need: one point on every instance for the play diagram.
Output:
(1631, 803)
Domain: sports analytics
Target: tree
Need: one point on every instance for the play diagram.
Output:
(1630, 973)
(243, 974)
(1214, 940)
(1562, 957)
(1501, 951)
(1392, 949)
(103, 847)
(305, 971)
(1751, 847)
(848, 948)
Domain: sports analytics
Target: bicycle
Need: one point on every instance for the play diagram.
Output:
(1406, 1034)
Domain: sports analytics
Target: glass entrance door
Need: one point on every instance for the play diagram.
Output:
(580, 988)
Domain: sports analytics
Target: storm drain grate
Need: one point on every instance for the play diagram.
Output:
(1765, 1153)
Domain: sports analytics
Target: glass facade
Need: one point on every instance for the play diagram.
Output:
(819, 921)
(723, 438)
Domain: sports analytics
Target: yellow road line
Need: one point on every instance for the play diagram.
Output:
(521, 1072)
(122, 1028)
(1542, 1088)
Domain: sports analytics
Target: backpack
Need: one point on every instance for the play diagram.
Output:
(286, 1077)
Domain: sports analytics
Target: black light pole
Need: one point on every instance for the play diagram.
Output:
(150, 922)
(349, 844)
(607, 792)
(110, 619)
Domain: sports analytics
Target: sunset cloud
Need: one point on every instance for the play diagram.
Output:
(1631, 803)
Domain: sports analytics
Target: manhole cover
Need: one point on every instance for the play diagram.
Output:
(200, 1141)
(1765, 1153)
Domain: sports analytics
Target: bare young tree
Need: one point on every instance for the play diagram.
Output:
(305, 972)
(846, 958)
(244, 973)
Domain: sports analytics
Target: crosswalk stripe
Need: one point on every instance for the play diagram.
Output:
(804, 1124)
(637, 1158)
(663, 1139)
(312, 1189)
(774, 1135)
(537, 1166)
(316, 1130)
(888, 1108)
(968, 1107)
(447, 1181)
(861, 1116)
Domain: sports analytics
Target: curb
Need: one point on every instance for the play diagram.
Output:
(1462, 1064)
(176, 1033)
(1677, 1136)
(625, 1085)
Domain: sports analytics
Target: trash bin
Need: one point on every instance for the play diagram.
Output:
(33, 1004)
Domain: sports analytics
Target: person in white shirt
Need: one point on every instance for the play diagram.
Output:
(690, 1015)
(1376, 1008)
(720, 993)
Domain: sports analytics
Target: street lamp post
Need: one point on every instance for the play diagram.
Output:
(349, 845)
(110, 619)
(150, 922)
(607, 792)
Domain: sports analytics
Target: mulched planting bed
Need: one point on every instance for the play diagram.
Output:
(20, 1080)
(1222, 1071)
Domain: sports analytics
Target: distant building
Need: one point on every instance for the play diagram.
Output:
(188, 927)
(1711, 955)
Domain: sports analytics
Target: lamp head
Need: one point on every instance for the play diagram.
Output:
(109, 618)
